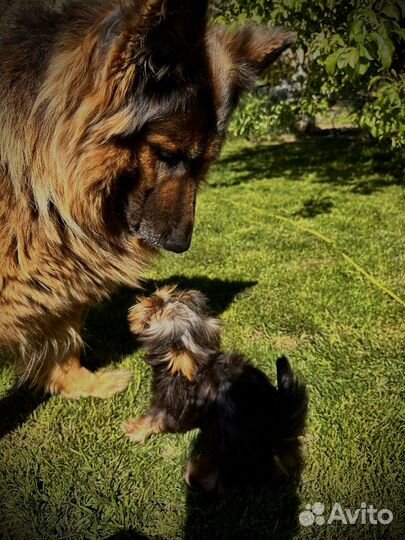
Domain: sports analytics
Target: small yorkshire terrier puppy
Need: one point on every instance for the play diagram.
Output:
(250, 430)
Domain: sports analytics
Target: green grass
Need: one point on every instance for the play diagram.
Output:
(67, 472)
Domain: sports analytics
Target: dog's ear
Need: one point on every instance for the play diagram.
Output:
(139, 314)
(159, 34)
(239, 57)
(256, 47)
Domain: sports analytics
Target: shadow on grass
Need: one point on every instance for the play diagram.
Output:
(109, 340)
(315, 206)
(261, 514)
(107, 334)
(343, 160)
(17, 406)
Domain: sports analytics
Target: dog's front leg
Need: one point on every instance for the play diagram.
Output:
(71, 380)
(52, 362)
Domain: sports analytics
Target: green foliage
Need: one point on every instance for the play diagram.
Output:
(384, 115)
(257, 114)
(346, 50)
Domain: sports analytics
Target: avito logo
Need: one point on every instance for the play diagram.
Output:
(367, 513)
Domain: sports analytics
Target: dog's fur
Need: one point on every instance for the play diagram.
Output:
(110, 113)
(250, 430)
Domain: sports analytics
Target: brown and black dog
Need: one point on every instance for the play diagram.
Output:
(250, 430)
(111, 112)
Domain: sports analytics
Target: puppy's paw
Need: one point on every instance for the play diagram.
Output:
(201, 474)
(135, 430)
(139, 429)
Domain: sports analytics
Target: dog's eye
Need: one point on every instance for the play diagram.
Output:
(127, 140)
(171, 159)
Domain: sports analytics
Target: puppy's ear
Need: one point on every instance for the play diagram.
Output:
(166, 293)
(139, 314)
(195, 299)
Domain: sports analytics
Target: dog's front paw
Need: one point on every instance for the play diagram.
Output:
(108, 383)
(73, 381)
(139, 429)
(135, 430)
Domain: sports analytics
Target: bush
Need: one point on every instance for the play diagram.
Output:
(346, 50)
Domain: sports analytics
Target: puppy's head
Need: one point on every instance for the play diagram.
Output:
(174, 318)
(133, 110)
(150, 309)
(176, 325)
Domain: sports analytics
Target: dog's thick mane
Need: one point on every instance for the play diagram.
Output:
(90, 89)
(54, 126)
(49, 269)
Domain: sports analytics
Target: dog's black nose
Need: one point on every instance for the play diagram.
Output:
(179, 240)
(177, 243)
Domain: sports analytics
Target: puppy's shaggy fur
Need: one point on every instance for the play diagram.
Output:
(250, 430)
(110, 113)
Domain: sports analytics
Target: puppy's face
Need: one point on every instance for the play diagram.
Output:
(175, 319)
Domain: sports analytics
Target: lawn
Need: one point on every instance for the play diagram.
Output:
(280, 230)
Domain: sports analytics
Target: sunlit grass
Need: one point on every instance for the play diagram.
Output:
(67, 472)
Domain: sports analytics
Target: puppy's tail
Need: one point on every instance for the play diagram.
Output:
(292, 398)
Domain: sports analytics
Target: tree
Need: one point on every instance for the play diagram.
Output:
(346, 50)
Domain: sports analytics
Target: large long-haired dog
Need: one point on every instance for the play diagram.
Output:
(111, 112)
(250, 430)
